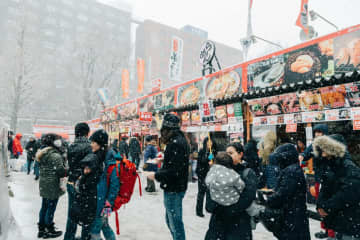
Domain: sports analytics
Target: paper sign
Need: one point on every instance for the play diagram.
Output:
(289, 119)
(291, 128)
(355, 113)
(272, 120)
(332, 115)
(356, 125)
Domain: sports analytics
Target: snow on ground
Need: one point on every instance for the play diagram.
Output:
(143, 218)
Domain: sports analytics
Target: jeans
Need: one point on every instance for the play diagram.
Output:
(201, 195)
(102, 224)
(71, 226)
(47, 211)
(135, 159)
(36, 169)
(173, 207)
(29, 164)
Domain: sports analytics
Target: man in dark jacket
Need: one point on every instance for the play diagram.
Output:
(31, 149)
(290, 195)
(76, 152)
(173, 176)
(135, 151)
(10, 143)
(338, 201)
(319, 130)
(124, 148)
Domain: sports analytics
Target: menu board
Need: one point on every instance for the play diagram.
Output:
(195, 117)
(223, 84)
(347, 52)
(127, 110)
(185, 119)
(190, 94)
(234, 112)
(221, 114)
(164, 100)
(326, 98)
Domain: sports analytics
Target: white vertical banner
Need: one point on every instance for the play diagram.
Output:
(176, 59)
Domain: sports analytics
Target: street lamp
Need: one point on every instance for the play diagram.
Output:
(314, 15)
(248, 41)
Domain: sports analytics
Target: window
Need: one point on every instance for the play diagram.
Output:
(83, 18)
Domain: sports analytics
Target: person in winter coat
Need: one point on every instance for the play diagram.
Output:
(202, 169)
(115, 145)
(31, 149)
(272, 172)
(36, 164)
(233, 222)
(124, 148)
(84, 207)
(173, 176)
(253, 161)
(106, 195)
(307, 155)
(290, 195)
(10, 143)
(17, 148)
(150, 154)
(51, 170)
(135, 151)
(77, 151)
(338, 201)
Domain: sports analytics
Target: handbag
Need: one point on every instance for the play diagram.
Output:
(272, 219)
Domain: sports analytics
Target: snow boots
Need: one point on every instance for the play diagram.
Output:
(49, 231)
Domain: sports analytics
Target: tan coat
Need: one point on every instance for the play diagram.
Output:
(267, 147)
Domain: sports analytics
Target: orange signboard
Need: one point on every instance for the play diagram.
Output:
(125, 83)
(141, 74)
(356, 125)
(291, 128)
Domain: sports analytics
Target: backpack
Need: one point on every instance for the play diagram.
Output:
(127, 175)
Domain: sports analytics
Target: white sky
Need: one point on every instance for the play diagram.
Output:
(226, 20)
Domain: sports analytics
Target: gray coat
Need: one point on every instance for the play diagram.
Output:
(52, 169)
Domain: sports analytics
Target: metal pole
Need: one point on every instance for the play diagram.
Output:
(324, 19)
(272, 43)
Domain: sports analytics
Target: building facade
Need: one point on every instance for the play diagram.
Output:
(154, 45)
(58, 38)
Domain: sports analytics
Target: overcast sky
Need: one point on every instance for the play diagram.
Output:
(226, 20)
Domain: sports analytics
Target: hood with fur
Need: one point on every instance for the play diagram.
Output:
(267, 146)
(42, 152)
(330, 146)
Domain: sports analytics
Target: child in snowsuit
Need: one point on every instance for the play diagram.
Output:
(225, 185)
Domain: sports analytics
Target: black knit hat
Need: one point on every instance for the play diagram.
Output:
(82, 129)
(100, 137)
(171, 121)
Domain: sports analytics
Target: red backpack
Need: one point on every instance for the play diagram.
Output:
(127, 178)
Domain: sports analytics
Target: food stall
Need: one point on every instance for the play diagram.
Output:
(287, 92)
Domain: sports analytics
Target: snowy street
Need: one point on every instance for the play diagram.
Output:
(143, 218)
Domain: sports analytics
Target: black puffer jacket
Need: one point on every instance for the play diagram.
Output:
(124, 148)
(290, 195)
(233, 222)
(76, 152)
(134, 147)
(84, 207)
(31, 149)
(340, 192)
(203, 167)
(253, 161)
(173, 176)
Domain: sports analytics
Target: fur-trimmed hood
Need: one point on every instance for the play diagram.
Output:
(42, 152)
(330, 146)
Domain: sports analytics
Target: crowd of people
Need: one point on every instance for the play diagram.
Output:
(230, 182)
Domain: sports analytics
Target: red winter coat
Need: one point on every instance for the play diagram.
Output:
(17, 148)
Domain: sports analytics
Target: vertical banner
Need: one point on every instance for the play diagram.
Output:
(176, 58)
(125, 83)
(140, 74)
(303, 19)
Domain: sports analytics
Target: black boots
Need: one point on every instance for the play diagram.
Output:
(49, 231)
(42, 231)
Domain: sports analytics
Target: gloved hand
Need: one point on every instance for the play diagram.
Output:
(106, 212)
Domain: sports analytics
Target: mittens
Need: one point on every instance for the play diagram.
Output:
(106, 212)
